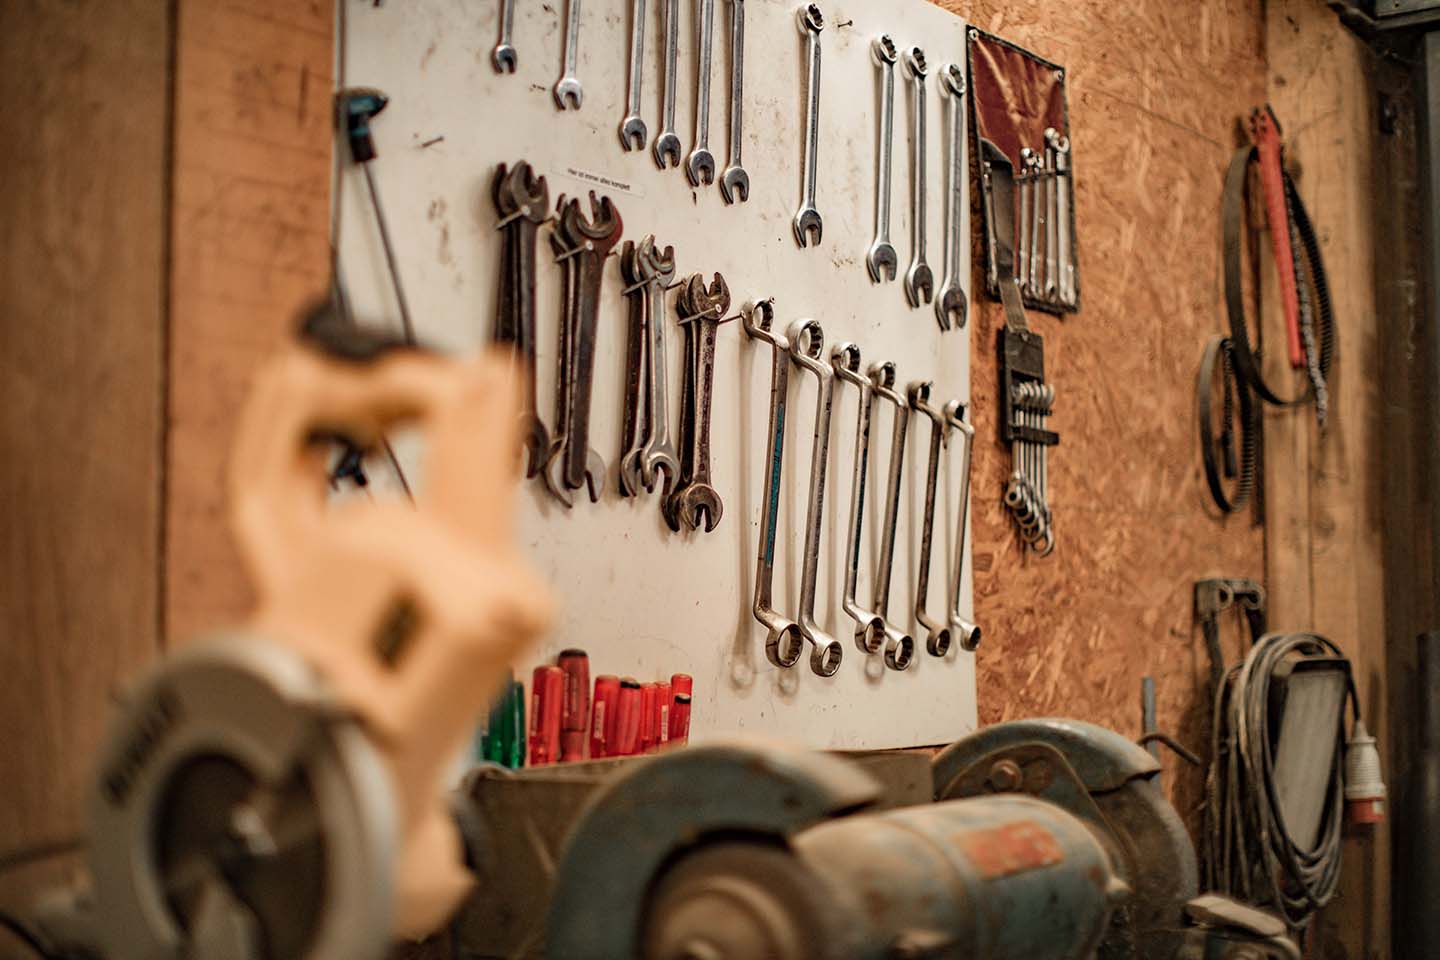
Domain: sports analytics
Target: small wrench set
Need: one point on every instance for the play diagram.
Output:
(1020, 110)
(875, 632)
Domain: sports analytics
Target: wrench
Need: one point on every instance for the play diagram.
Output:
(667, 145)
(568, 93)
(658, 454)
(881, 258)
(967, 632)
(784, 643)
(502, 57)
(1026, 190)
(1037, 224)
(696, 500)
(522, 199)
(919, 282)
(735, 182)
(807, 218)
(807, 345)
(700, 165)
(937, 640)
(1052, 218)
(635, 375)
(632, 129)
(951, 303)
(900, 648)
(554, 469)
(869, 626)
(1065, 254)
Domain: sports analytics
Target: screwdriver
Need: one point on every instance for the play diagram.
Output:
(649, 713)
(603, 714)
(663, 700)
(680, 720)
(627, 720)
(547, 700)
(575, 715)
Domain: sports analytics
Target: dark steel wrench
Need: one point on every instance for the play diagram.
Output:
(807, 346)
(735, 182)
(667, 145)
(807, 219)
(950, 303)
(898, 654)
(633, 134)
(521, 200)
(937, 640)
(967, 632)
(635, 376)
(784, 642)
(696, 501)
(869, 626)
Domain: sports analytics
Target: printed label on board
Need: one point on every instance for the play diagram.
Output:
(603, 183)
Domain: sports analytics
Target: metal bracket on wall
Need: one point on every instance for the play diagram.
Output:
(1212, 598)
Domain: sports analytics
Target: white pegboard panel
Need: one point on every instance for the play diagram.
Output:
(640, 599)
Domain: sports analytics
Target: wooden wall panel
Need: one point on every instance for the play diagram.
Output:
(1155, 90)
(83, 149)
(250, 233)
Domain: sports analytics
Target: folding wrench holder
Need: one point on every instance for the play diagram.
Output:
(1025, 403)
(1020, 108)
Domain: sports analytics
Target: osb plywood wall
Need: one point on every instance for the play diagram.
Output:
(1155, 89)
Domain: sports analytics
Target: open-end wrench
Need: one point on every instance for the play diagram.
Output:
(633, 134)
(667, 144)
(700, 165)
(937, 639)
(656, 271)
(807, 218)
(522, 201)
(735, 182)
(1065, 255)
(899, 647)
(1025, 187)
(1036, 281)
(807, 346)
(881, 258)
(568, 93)
(869, 626)
(950, 304)
(919, 281)
(966, 632)
(696, 501)
(784, 642)
(591, 240)
(554, 470)
(1052, 214)
(635, 376)
(502, 57)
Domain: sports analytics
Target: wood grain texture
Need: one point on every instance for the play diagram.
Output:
(83, 150)
(1155, 89)
(250, 227)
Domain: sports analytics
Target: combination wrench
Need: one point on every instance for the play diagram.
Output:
(807, 218)
(667, 144)
(900, 647)
(881, 258)
(1065, 255)
(967, 632)
(1052, 218)
(951, 305)
(1025, 187)
(633, 134)
(700, 165)
(696, 501)
(919, 281)
(807, 345)
(937, 639)
(1036, 285)
(658, 454)
(735, 182)
(784, 642)
(568, 93)
(636, 379)
(869, 626)
(502, 57)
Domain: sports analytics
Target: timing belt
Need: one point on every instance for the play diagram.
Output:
(1235, 393)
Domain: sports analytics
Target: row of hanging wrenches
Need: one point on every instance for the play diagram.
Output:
(1028, 492)
(875, 632)
(1046, 252)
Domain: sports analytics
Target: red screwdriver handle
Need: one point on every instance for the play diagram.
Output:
(1265, 130)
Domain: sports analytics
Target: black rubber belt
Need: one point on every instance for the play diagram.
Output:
(1223, 349)
(1233, 222)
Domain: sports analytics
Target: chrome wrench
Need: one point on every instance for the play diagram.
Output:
(937, 640)
(659, 453)
(1066, 253)
(784, 642)
(869, 626)
(700, 165)
(568, 92)
(807, 218)
(667, 145)
(881, 258)
(807, 345)
(950, 304)
(919, 281)
(967, 632)
(898, 652)
(633, 134)
(1024, 186)
(1034, 283)
(502, 57)
(1052, 217)
(735, 182)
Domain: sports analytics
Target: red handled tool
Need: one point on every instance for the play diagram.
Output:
(663, 699)
(627, 720)
(547, 697)
(649, 710)
(680, 719)
(575, 713)
(604, 709)
(682, 683)
(1265, 130)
